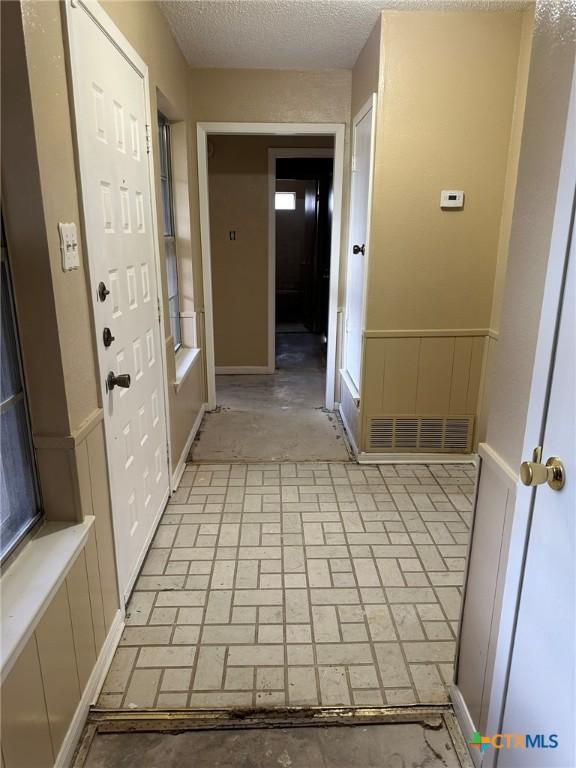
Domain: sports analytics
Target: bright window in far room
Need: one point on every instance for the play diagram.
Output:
(285, 201)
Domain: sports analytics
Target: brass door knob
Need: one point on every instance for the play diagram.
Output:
(553, 472)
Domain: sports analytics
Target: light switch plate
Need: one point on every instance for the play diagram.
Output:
(69, 247)
(452, 198)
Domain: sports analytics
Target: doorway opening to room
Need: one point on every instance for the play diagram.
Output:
(300, 225)
(270, 198)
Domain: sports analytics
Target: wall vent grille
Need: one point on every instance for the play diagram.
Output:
(446, 434)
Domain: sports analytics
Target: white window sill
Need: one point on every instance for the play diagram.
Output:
(185, 359)
(32, 580)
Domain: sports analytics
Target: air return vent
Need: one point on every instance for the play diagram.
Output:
(420, 433)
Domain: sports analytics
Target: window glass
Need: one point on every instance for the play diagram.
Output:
(19, 502)
(169, 234)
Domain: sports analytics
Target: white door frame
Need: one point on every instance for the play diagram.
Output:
(274, 154)
(107, 26)
(337, 130)
(369, 104)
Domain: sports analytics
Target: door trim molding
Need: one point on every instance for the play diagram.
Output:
(337, 130)
(111, 31)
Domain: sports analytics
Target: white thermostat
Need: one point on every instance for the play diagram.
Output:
(452, 198)
(69, 247)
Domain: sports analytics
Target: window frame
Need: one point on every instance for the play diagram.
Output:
(168, 217)
(37, 519)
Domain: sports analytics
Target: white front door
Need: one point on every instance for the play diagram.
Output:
(360, 202)
(541, 688)
(110, 95)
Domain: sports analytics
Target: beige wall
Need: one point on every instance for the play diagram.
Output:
(366, 70)
(261, 95)
(446, 99)
(547, 99)
(238, 181)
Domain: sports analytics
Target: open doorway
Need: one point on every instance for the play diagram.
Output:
(301, 221)
(271, 256)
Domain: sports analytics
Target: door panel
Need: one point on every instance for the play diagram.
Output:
(541, 695)
(360, 201)
(110, 103)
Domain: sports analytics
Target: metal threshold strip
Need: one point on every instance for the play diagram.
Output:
(103, 721)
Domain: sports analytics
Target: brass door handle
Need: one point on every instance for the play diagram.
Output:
(553, 472)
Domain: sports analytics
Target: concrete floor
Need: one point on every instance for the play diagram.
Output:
(274, 417)
(399, 745)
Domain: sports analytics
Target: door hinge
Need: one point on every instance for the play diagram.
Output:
(147, 139)
(158, 308)
(353, 163)
(167, 454)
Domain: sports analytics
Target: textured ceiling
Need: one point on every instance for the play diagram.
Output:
(286, 34)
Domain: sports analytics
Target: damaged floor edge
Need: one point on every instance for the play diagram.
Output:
(434, 718)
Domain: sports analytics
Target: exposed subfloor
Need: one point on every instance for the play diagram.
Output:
(306, 584)
(274, 417)
(397, 745)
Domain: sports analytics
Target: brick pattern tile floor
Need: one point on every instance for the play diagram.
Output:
(299, 584)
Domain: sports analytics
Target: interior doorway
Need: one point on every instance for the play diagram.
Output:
(300, 254)
(209, 208)
(274, 241)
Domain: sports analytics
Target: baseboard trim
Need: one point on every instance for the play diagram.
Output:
(91, 692)
(465, 722)
(181, 466)
(230, 370)
(349, 433)
(417, 458)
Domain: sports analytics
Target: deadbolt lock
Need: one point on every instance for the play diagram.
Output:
(535, 473)
(102, 291)
(107, 337)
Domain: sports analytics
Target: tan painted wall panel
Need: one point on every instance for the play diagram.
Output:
(81, 616)
(434, 375)
(95, 591)
(460, 375)
(477, 372)
(186, 408)
(103, 513)
(421, 375)
(25, 731)
(401, 363)
(58, 664)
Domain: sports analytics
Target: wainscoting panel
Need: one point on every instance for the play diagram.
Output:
(419, 376)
